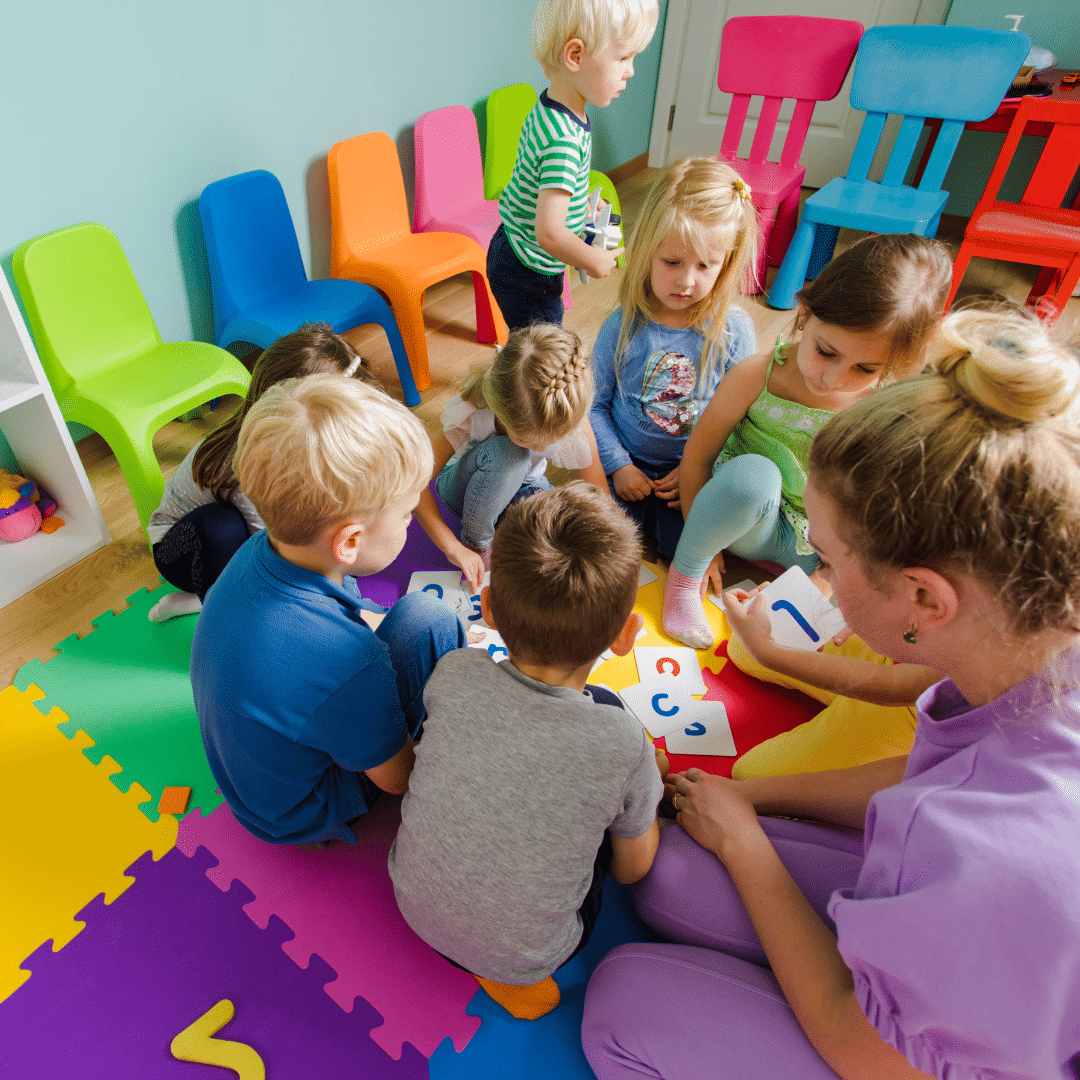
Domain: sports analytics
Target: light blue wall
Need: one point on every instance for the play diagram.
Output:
(1054, 24)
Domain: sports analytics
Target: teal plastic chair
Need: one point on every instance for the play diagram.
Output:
(103, 354)
(953, 73)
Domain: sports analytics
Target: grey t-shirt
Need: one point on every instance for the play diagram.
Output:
(182, 495)
(514, 785)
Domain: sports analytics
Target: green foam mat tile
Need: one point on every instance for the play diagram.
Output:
(126, 684)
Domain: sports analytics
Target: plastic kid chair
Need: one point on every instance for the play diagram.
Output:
(955, 73)
(104, 356)
(779, 56)
(1036, 229)
(257, 279)
(371, 241)
(449, 193)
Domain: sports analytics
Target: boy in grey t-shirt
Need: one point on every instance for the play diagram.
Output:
(527, 788)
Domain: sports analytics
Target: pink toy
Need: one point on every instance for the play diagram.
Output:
(23, 506)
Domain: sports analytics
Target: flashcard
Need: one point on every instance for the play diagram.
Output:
(705, 731)
(678, 663)
(659, 704)
(444, 585)
(491, 641)
(746, 585)
(800, 616)
(645, 576)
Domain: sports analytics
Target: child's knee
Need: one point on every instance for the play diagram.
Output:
(749, 482)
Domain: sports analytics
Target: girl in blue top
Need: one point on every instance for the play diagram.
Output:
(659, 356)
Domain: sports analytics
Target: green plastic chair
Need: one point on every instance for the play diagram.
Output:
(103, 354)
(506, 112)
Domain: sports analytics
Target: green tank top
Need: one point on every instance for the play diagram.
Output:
(782, 431)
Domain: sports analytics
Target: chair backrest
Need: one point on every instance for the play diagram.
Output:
(251, 243)
(953, 73)
(777, 57)
(506, 112)
(368, 208)
(449, 173)
(82, 301)
(1057, 166)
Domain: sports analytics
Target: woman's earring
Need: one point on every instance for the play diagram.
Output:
(910, 636)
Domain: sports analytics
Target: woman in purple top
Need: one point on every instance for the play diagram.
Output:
(943, 937)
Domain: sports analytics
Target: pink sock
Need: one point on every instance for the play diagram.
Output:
(684, 617)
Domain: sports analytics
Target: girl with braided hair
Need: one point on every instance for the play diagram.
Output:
(508, 419)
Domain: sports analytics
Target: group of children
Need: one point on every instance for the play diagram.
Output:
(524, 786)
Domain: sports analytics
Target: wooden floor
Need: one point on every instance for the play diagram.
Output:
(33, 624)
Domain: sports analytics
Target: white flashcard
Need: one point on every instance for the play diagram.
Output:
(746, 585)
(444, 585)
(705, 731)
(678, 663)
(491, 642)
(659, 705)
(800, 617)
(645, 576)
(607, 654)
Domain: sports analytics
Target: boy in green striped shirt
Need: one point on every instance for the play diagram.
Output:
(587, 50)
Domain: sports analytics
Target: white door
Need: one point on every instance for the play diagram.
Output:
(690, 112)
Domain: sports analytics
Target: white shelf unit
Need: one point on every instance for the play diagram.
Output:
(31, 423)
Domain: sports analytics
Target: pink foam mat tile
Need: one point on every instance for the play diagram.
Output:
(339, 903)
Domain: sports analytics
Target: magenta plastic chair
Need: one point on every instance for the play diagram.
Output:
(449, 193)
(778, 57)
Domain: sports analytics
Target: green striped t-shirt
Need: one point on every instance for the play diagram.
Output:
(555, 151)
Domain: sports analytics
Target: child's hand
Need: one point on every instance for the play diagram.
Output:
(662, 763)
(601, 263)
(631, 484)
(667, 487)
(748, 615)
(714, 576)
(471, 564)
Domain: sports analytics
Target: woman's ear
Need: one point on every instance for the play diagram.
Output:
(933, 597)
(485, 606)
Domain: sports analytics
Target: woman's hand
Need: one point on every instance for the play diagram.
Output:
(715, 811)
(667, 487)
(631, 484)
(714, 576)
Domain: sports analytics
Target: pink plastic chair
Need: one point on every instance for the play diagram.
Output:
(777, 57)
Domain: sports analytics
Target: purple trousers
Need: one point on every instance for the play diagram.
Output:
(709, 1008)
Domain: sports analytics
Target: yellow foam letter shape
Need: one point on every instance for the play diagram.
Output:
(197, 1043)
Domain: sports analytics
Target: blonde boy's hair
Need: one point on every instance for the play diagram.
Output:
(315, 451)
(974, 468)
(564, 575)
(703, 203)
(540, 383)
(597, 23)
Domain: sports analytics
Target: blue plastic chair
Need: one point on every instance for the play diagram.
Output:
(954, 73)
(259, 286)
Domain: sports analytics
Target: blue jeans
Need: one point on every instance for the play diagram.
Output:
(525, 296)
(482, 483)
(738, 510)
(656, 520)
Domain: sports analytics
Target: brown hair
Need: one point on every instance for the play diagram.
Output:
(894, 284)
(697, 200)
(564, 574)
(973, 468)
(311, 350)
(540, 382)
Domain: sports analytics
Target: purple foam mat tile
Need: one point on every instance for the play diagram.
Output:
(149, 964)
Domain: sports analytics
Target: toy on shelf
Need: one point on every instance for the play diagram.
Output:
(600, 230)
(24, 508)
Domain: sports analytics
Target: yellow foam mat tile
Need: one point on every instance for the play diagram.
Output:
(68, 833)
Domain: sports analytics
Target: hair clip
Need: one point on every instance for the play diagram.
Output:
(742, 187)
(352, 368)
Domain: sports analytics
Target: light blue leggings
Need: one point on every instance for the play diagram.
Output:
(738, 510)
(482, 483)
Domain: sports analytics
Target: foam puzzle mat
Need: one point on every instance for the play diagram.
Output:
(124, 927)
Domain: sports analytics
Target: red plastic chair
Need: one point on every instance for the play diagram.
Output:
(449, 191)
(1036, 229)
(779, 56)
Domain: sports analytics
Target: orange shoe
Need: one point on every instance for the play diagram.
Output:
(524, 1002)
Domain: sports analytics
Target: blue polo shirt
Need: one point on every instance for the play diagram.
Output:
(295, 696)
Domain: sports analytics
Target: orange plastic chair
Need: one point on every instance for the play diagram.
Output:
(372, 242)
(1037, 229)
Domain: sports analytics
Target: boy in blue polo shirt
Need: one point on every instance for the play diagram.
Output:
(306, 712)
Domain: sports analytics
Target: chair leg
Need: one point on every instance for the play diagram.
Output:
(401, 358)
(142, 472)
(822, 253)
(792, 272)
(567, 299)
(490, 324)
(787, 216)
(408, 308)
(1045, 282)
(1069, 277)
(766, 223)
(963, 257)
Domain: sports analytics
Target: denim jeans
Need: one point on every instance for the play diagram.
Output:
(482, 483)
(657, 521)
(739, 510)
(524, 296)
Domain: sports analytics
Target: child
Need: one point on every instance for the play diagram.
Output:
(204, 517)
(658, 358)
(499, 430)
(865, 321)
(946, 511)
(529, 785)
(587, 50)
(305, 713)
